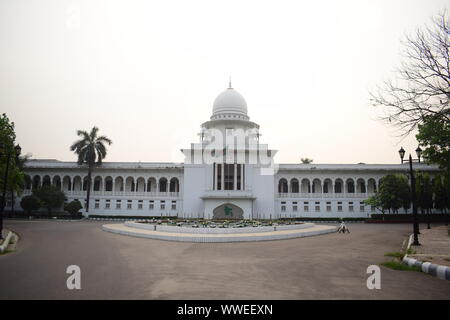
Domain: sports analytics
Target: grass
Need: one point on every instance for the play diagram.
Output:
(396, 265)
(410, 251)
(5, 252)
(394, 254)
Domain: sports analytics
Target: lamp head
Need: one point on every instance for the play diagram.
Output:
(419, 152)
(401, 152)
(18, 150)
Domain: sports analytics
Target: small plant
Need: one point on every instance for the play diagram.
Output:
(410, 251)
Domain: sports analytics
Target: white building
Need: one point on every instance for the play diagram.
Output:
(228, 173)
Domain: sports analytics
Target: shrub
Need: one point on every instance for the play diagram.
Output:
(29, 204)
(50, 197)
(73, 207)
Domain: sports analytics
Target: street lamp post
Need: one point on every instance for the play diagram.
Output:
(413, 191)
(8, 154)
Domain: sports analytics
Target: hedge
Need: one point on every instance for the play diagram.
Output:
(423, 217)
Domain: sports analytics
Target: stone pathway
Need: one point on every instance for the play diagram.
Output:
(435, 246)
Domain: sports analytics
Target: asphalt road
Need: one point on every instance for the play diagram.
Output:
(113, 266)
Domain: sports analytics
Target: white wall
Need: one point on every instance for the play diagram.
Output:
(195, 180)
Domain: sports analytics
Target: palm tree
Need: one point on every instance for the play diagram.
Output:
(91, 150)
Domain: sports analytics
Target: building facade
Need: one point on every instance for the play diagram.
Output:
(228, 173)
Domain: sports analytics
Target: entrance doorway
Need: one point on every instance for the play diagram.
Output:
(228, 211)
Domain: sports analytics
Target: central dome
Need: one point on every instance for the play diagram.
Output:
(230, 102)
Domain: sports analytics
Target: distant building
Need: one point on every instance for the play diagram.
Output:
(228, 173)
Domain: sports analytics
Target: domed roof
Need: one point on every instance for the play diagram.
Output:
(230, 101)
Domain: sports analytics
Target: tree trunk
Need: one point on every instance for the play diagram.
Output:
(88, 194)
(12, 202)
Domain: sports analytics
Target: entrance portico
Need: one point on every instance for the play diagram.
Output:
(228, 205)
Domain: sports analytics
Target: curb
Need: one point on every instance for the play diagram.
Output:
(6, 242)
(213, 238)
(436, 270)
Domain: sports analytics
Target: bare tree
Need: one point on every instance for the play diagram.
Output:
(423, 86)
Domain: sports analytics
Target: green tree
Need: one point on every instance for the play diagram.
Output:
(441, 201)
(446, 182)
(306, 160)
(29, 204)
(424, 193)
(434, 136)
(91, 150)
(7, 150)
(8, 156)
(73, 207)
(50, 197)
(16, 179)
(375, 202)
(393, 192)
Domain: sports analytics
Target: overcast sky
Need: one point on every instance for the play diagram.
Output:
(147, 72)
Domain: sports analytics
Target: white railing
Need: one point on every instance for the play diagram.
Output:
(324, 195)
(117, 193)
(228, 193)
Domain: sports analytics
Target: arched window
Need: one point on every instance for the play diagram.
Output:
(36, 182)
(282, 186)
(350, 186)
(294, 186)
(316, 186)
(67, 183)
(163, 185)
(151, 185)
(327, 186)
(174, 185)
(371, 186)
(338, 186)
(85, 183)
(108, 184)
(305, 186)
(129, 184)
(360, 186)
(119, 185)
(46, 181)
(28, 182)
(140, 184)
(97, 183)
(57, 182)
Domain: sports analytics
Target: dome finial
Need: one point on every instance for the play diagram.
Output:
(229, 84)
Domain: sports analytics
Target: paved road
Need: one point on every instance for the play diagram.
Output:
(119, 267)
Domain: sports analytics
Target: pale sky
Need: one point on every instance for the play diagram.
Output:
(147, 73)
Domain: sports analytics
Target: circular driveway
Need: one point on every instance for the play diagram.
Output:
(331, 266)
